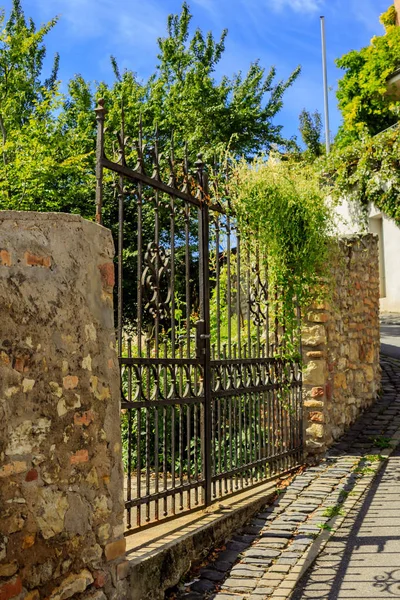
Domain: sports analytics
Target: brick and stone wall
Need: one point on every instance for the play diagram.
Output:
(61, 506)
(341, 345)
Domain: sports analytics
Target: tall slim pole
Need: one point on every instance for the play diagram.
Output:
(325, 79)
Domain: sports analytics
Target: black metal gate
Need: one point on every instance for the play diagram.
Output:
(209, 404)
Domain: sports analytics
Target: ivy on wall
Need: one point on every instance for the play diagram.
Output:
(368, 171)
(364, 165)
(281, 206)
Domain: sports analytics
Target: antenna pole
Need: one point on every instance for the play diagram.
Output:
(325, 80)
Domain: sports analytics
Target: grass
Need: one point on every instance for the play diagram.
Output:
(381, 442)
(364, 470)
(325, 527)
(374, 458)
(333, 511)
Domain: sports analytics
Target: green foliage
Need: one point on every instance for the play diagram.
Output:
(368, 171)
(49, 138)
(310, 130)
(366, 103)
(281, 206)
(47, 146)
(375, 458)
(325, 527)
(333, 511)
(382, 442)
(183, 96)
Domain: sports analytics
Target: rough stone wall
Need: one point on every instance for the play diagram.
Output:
(341, 345)
(61, 506)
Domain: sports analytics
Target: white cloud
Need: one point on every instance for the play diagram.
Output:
(300, 6)
(117, 20)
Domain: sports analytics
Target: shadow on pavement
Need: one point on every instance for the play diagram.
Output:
(362, 560)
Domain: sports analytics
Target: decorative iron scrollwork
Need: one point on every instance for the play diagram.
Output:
(258, 297)
(156, 279)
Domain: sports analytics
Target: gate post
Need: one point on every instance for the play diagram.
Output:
(204, 259)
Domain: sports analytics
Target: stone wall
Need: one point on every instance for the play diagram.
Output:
(61, 506)
(341, 345)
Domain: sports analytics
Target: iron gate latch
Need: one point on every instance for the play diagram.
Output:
(201, 338)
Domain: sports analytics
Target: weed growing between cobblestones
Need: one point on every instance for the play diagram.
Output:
(381, 442)
(364, 470)
(325, 526)
(333, 511)
(375, 458)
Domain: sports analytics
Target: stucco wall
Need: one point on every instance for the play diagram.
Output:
(61, 525)
(341, 345)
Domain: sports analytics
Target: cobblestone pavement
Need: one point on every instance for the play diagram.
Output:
(268, 557)
(390, 334)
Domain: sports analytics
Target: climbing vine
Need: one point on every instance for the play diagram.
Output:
(368, 171)
(281, 205)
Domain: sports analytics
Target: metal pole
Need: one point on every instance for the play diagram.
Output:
(325, 79)
(100, 115)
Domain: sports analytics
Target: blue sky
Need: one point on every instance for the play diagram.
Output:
(283, 33)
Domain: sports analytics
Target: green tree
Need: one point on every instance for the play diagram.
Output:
(310, 130)
(366, 103)
(183, 96)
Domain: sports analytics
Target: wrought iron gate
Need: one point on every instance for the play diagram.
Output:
(209, 404)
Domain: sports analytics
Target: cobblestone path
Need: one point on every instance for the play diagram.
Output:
(268, 557)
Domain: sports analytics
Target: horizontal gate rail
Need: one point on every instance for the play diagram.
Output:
(209, 403)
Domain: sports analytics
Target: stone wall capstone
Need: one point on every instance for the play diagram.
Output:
(341, 345)
(61, 479)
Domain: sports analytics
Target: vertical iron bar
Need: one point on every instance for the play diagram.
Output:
(130, 411)
(165, 431)
(187, 277)
(238, 303)
(100, 116)
(148, 434)
(218, 290)
(204, 259)
(228, 290)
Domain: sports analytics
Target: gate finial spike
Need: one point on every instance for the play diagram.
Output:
(100, 109)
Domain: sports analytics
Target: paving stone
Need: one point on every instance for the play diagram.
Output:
(258, 522)
(222, 565)
(262, 562)
(239, 585)
(229, 556)
(246, 570)
(212, 574)
(237, 546)
(272, 542)
(257, 552)
(252, 530)
(283, 560)
(279, 569)
(225, 596)
(272, 578)
(275, 533)
(244, 538)
(289, 554)
(279, 526)
(202, 585)
(261, 591)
